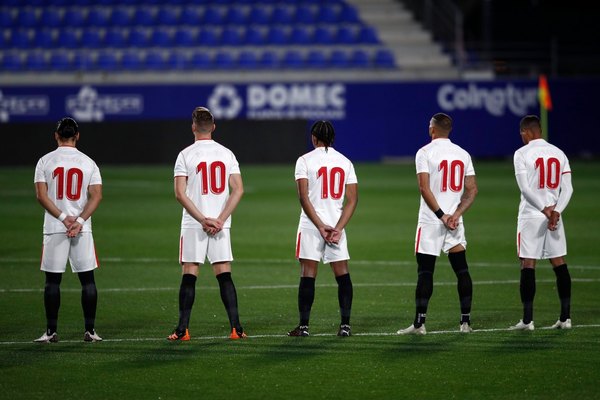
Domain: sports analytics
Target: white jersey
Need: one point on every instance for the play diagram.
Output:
(544, 165)
(68, 173)
(328, 172)
(447, 165)
(207, 166)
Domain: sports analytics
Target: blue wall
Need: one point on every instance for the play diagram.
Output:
(372, 120)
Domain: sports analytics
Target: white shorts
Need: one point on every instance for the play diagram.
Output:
(432, 239)
(536, 242)
(79, 251)
(195, 246)
(310, 245)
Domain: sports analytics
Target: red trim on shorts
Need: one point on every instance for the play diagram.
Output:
(418, 240)
(181, 250)
(298, 245)
(96, 256)
(518, 244)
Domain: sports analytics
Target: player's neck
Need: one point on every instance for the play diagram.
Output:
(203, 137)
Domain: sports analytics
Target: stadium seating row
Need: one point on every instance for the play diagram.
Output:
(63, 61)
(186, 37)
(83, 3)
(52, 17)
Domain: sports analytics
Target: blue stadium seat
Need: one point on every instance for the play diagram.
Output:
(304, 15)
(167, 16)
(212, 16)
(300, 35)
(345, 35)
(235, 16)
(143, 17)
(60, 61)
(282, 15)
(258, 15)
(98, 17)
(26, 18)
(43, 38)
(138, 37)
(293, 59)
(91, 39)
(115, 37)
(83, 61)
(327, 14)
(324, 35)
(6, 19)
(254, 36)
(224, 60)
(208, 37)
(155, 60)
(190, 16)
(368, 35)
(269, 60)
(106, 61)
(348, 14)
(185, 37)
(384, 59)
(316, 59)
(50, 18)
(35, 61)
(200, 60)
(248, 60)
(67, 38)
(120, 17)
(131, 61)
(20, 39)
(12, 62)
(73, 18)
(360, 59)
(160, 37)
(230, 36)
(339, 59)
(177, 60)
(277, 36)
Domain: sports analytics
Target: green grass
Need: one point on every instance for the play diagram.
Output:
(136, 230)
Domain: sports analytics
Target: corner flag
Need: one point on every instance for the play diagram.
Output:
(545, 103)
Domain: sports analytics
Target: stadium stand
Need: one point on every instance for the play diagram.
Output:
(300, 39)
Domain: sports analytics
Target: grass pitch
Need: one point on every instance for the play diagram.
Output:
(136, 230)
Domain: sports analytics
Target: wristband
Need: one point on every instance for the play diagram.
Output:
(62, 216)
(439, 213)
(80, 220)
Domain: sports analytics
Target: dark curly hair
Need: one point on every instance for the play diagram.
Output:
(324, 132)
(67, 127)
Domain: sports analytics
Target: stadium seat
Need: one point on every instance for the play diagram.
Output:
(293, 59)
(106, 61)
(277, 36)
(138, 37)
(12, 62)
(384, 59)
(73, 18)
(50, 18)
(212, 16)
(167, 16)
(304, 15)
(143, 17)
(131, 61)
(230, 36)
(327, 14)
(258, 15)
(208, 37)
(177, 60)
(60, 61)
(155, 60)
(359, 59)
(339, 59)
(43, 39)
(282, 15)
(368, 35)
(35, 61)
(20, 39)
(348, 14)
(345, 35)
(269, 60)
(224, 60)
(235, 16)
(248, 60)
(190, 16)
(316, 59)
(26, 18)
(6, 19)
(120, 17)
(254, 36)
(184, 37)
(91, 39)
(67, 38)
(83, 61)
(115, 37)
(324, 35)
(300, 35)
(160, 37)
(98, 17)
(200, 60)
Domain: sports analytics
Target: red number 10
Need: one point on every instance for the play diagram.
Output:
(457, 173)
(73, 181)
(549, 172)
(333, 184)
(217, 176)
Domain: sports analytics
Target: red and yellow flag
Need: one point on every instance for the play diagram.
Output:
(544, 93)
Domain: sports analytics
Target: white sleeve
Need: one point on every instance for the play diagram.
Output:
(566, 191)
(351, 176)
(96, 178)
(180, 169)
(527, 192)
(301, 169)
(421, 162)
(39, 175)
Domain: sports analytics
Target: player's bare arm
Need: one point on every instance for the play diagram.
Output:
(208, 225)
(429, 197)
(350, 203)
(94, 199)
(41, 193)
(309, 209)
(466, 200)
(235, 195)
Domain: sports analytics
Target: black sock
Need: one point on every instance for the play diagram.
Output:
(345, 297)
(52, 301)
(229, 298)
(306, 296)
(527, 289)
(89, 299)
(464, 284)
(187, 294)
(563, 286)
(424, 290)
